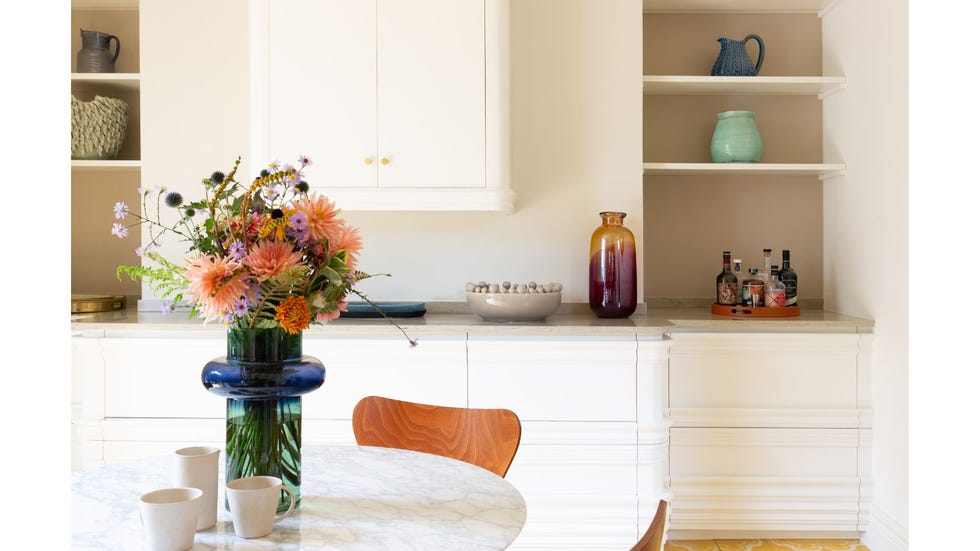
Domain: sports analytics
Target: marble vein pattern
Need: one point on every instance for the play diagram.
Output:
(353, 498)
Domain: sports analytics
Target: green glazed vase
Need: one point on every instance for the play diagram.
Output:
(736, 138)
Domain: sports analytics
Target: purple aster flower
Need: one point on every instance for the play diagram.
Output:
(167, 306)
(120, 210)
(270, 193)
(236, 250)
(304, 161)
(119, 230)
(274, 166)
(240, 308)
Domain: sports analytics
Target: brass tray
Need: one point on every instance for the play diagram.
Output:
(81, 304)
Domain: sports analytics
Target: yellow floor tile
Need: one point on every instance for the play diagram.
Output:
(690, 545)
(765, 545)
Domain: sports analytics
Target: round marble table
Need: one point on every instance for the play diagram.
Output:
(353, 497)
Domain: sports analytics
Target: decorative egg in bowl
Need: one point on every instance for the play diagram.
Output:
(513, 302)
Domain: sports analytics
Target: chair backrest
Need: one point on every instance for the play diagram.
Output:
(652, 540)
(487, 438)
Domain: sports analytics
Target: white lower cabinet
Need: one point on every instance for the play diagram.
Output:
(770, 435)
(746, 434)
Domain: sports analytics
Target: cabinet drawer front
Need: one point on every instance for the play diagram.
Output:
(555, 379)
(764, 452)
(761, 371)
(146, 377)
(432, 373)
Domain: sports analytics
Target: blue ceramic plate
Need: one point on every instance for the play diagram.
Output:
(391, 309)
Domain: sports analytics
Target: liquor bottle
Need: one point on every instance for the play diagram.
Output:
(775, 290)
(726, 284)
(788, 276)
(767, 261)
(753, 293)
(737, 270)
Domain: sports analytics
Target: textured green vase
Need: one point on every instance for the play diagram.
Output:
(736, 138)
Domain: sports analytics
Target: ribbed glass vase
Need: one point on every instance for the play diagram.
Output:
(263, 377)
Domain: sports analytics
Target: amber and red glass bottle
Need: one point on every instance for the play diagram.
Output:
(612, 268)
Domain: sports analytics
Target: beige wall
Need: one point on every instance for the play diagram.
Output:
(867, 230)
(690, 220)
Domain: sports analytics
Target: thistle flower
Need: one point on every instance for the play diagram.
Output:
(302, 187)
(217, 177)
(173, 199)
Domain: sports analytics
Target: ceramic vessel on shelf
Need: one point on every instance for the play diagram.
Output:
(612, 268)
(736, 138)
(94, 55)
(98, 127)
(520, 302)
(734, 61)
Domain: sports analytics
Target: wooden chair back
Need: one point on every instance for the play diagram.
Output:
(487, 438)
(652, 540)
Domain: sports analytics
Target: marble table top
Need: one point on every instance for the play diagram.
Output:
(353, 498)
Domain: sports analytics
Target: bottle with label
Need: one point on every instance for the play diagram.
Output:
(753, 292)
(775, 290)
(788, 276)
(726, 284)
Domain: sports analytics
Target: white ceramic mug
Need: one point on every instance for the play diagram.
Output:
(253, 502)
(169, 518)
(197, 467)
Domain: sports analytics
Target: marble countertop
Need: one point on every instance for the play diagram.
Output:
(654, 322)
(353, 498)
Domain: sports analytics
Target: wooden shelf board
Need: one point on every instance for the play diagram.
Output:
(745, 169)
(761, 85)
(105, 4)
(113, 164)
(118, 81)
(736, 6)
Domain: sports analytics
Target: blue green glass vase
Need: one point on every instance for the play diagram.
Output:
(736, 138)
(263, 377)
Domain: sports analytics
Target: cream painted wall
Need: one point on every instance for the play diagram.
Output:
(866, 228)
(194, 96)
(576, 124)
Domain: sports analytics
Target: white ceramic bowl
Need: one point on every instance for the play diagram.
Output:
(513, 306)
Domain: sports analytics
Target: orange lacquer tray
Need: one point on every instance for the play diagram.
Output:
(755, 311)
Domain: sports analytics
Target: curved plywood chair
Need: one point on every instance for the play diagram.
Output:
(652, 540)
(487, 438)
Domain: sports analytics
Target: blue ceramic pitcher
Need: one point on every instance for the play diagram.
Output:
(734, 61)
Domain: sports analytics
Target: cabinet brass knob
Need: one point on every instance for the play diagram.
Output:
(368, 160)
(384, 160)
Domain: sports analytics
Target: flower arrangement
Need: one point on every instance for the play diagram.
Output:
(266, 255)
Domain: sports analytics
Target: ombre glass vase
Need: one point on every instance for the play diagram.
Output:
(263, 378)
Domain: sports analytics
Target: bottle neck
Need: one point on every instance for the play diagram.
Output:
(612, 218)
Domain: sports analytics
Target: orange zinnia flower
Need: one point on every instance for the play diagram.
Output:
(293, 314)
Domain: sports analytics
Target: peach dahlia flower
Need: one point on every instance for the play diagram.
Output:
(215, 283)
(322, 217)
(270, 258)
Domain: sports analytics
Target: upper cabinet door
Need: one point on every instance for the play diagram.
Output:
(322, 88)
(432, 93)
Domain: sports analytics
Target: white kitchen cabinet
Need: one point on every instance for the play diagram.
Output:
(401, 104)
(770, 434)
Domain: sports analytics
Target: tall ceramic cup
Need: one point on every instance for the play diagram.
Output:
(197, 467)
(253, 501)
(169, 518)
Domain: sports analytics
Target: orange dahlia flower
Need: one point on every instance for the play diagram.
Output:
(347, 238)
(322, 217)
